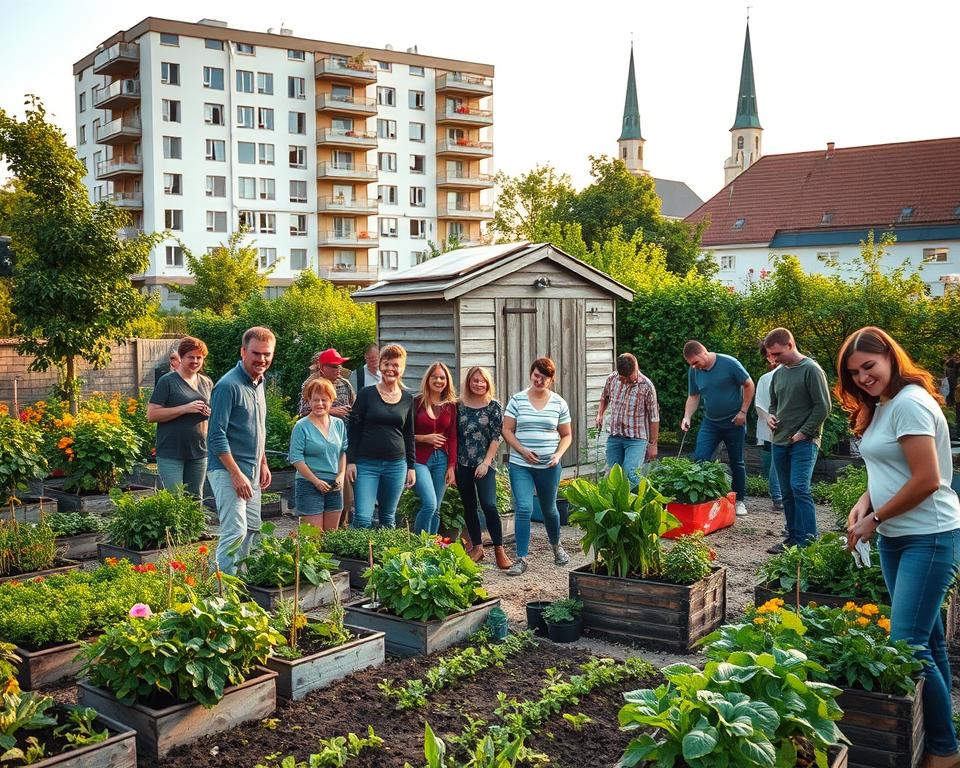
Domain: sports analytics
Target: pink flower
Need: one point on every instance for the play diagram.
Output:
(141, 611)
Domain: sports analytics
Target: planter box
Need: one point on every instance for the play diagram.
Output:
(38, 668)
(274, 509)
(563, 508)
(884, 730)
(652, 613)
(28, 510)
(141, 556)
(281, 479)
(837, 756)
(355, 568)
(406, 637)
(94, 503)
(709, 516)
(310, 596)
(160, 730)
(145, 474)
(297, 677)
(83, 546)
(60, 566)
(119, 750)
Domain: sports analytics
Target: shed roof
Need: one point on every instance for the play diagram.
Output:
(455, 273)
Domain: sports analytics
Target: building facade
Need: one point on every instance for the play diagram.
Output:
(343, 160)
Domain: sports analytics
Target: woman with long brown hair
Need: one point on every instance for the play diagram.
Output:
(895, 409)
(435, 435)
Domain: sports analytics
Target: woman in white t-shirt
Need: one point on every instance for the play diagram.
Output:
(896, 409)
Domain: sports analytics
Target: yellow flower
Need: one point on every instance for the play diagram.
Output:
(12, 687)
(759, 620)
(850, 606)
(884, 623)
(862, 621)
(869, 610)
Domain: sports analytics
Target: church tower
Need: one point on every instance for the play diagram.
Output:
(745, 136)
(630, 143)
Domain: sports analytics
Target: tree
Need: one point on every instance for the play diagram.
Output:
(72, 293)
(529, 203)
(10, 194)
(224, 278)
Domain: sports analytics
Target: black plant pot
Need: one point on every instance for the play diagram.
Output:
(565, 631)
(535, 616)
(563, 507)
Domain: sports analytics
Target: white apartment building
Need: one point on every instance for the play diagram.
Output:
(339, 159)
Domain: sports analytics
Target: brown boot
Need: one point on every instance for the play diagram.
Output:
(503, 562)
(476, 553)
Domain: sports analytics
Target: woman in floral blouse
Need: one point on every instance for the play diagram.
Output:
(479, 418)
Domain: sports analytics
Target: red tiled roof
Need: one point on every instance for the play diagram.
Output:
(860, 186)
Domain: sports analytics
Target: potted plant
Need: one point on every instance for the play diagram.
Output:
(271, 505)
(29, 550)
(535, 620)
(700, 494)
(21, 462)
(563, 619)
(77, 534)
(625, 591)
(358, 549)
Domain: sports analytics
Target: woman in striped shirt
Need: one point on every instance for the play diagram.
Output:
(536, 426)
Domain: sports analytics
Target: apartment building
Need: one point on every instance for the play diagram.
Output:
(340, 159)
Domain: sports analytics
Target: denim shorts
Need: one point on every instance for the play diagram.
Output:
(310, 501)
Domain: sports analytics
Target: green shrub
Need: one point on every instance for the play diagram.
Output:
(821, 492)
(690, 482)
(451, 508)
(688, 560)
(758, 485)
(22, 457)
(143, 523)
(565, 610)
(355, 542)
(280, 421)
(75, 523)
(272, 561)
(846, 491)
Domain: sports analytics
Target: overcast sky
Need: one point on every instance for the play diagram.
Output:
(848, 71)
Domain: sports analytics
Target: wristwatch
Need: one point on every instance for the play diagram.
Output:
(876, 519)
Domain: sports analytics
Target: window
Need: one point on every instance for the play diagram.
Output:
(739, 142)
(265, 154)
(213, 45)
(82, 105)
(166, 38)
(268, 223)
(171, 111)
(216, 149)
(416, 71)
(298, 156)
(173, 184)
(418, 229)
(169, 73)
(298, 258)
(386, 97)
(244, 81)
(418, 132)
(82, 136)
(86, 168)
(388, 226)
(828, 256)
(173, 219)
(244, 117)
(905, 214)
(297, 122)
(934, 255)
(387, 161)
(265, 83)
(298, 225)
(268, 189)
(418, 163)
(388, 259)
(344, 259)
(296, 88)
(416, 99)
(246, 49)
(387, 129)
(418, 197)
(247, 187)
(728, 261)
(265, 118)
(247, 220)
(738, 224)
(296, 55)
(96, 128)
(216, 221)
(298, 191)
(385, 66)
(246, 152)
(174, 256)
(827, 217)
(216, 186)
(387, 194)
(268, 256)
(213, 114)
(341, 93)
(213, 78)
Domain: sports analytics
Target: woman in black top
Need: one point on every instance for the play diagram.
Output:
(380, 452)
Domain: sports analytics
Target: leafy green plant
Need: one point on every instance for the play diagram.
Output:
(26, 547)
(144, 522)
(133, 413)
(271, 563)
(75, 523)
(21, 712)
(846, 491)
(355, 542)
(280, 421)
(334, 752)
(578, 720)
(563, 611)
(485, 753)
(21, 456)
(690, 482)
(758, 485)
(835, 429)
(79, 730)
(269, 498)
(451, 508)
(328, 633)
(821, 492)
(688, 560)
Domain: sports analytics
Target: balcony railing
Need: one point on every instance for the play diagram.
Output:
(338, 137)
(464, 179)
(464, 83)
(129, 233)
(120, 130)
(125, 199)
(351, 273)
(465, 148)
(346, 69)
(363, 205)
(331, 169)
(464, 211)
(119, 93)
(332, 102)
(463, 115)
(349, 238)
(117, 58)
(119, 166)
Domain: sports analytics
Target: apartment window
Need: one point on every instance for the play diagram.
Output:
(167, 38)
(387, 194)
(386, 97)
(247, 187)
(416, 99)
(246, 152)
(341, 93)
(831, 256)
(247, 220)
(418, 197)
(268, 223)
(216, 149)
(216, 186)
(86, 168)
(298, 258)
(82, 105)
(418, 229)
(169, 73)
(244, 81)
(213, 78)
(387, 161)
(298, 225)
(173, 219)
(388, 259)
(418, 163)
(418, 132)
(388, 226)
(297, 122)
(298, 156)
(385, 66)
(268, 257)
(728, 261)
(935, 255)
(268, 189)
(265, 154)
(97, 157)
(173, 184)
(171, 111)
(344, 259)
(265, 83)
(296, 55)
(244, 117)
(265, 118)
(174, 256)
(216, 221)
(298, 191)
(296, 88)
(82, 136)
(387, 129)
(418, 257)
(416, 71)
(213, 45)
(213, 114)
(246, 49)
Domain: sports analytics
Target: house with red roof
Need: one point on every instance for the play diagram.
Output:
(819, 206)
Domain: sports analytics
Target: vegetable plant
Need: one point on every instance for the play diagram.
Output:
(26, 547)
(143, 523)
(688, 560)
(334, 752)
(690, 482)
(355, 542)
(328, 633)
(271, 563)
(75, 523)
(563, 611)
(846, 491)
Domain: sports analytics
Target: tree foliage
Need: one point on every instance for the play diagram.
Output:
(530, 203)
(11, 193)
(223, 278)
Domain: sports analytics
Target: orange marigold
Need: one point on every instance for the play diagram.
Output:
(884, 623)
(869, 609)
(190, 581)
(850, 606)
(862, 621)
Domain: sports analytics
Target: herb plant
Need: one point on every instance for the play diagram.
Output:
(271, 562)
(143, 523)
(846, 491)
(758, 485)
(79, 730)
(688, 560)
(355, 542)
(75, 523)
(26, 547)
(563, 611)
(690, 482)
(334, 752)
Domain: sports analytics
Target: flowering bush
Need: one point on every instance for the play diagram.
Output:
(21, 455)
(688, 560)
(133, 413)
(94, 450)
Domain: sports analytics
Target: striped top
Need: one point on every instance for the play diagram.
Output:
(537, 430)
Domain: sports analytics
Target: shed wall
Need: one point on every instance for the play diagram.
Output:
(426, 329)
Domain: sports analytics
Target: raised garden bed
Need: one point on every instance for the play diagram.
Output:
(508, 526)
(355, 568)
(59, 566)
(274, 509)
(83, 546)
(38, 668)
(118, 750)
(310, 596)
(885, 730)
(708, 516)
(94, 503)
(28, 510)
(140, 556)
(281, 479)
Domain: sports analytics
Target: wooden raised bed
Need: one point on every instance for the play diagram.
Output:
(885, 730)
(310, 596)
(651, 613)
(837, 756)
(118, 750)
(281, 480)
(160, 730)
(95, 503)
(406, 637)
(83, 546)
(297, 677)
(141, 556)
(28, 510)
(60, 566)
(38, 668)
(273, 509)
(355, 568)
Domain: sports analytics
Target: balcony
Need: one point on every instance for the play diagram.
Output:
(458, 82)
(465, 148)
(117, 59)
(364, 206)
(464, 212)
(350, 273)
(349, 239)
(331, 169)
(346, 105)
(466, 116)
(118, 167)
(464, 180)
(120, 94)
(126, 200)
(335, 137)
(346, 70)
(129, 233)
(123, 130)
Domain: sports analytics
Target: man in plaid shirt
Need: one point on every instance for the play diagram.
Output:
(634, 417)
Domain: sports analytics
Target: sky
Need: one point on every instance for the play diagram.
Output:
(847, 71)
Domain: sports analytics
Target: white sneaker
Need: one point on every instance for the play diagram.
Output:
(741, 509)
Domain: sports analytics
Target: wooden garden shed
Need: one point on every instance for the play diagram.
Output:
(502, 306)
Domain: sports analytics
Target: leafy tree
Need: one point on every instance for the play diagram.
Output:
(10, 194)
(434, 250)
(223, 278)
(528, 203)
(72, 293)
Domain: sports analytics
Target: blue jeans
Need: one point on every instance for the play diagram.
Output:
(430, 488)
(770, 470)
(239, 519)
(629, 453)
(379, 481)
(794, 464)
(546, 481)
(919, 570)
(188, 472)
(711, 434)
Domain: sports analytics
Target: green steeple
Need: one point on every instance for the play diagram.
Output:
(747, 116)
(631, 110)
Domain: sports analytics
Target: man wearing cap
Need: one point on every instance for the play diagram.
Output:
(327, 365)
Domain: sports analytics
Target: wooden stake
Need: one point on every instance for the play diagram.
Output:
(797, 591)
(296, 591)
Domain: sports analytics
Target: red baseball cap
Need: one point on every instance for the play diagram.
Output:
(330, 357)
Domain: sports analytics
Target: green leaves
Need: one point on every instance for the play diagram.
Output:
(272, 561)
(21, 455)
(143, 522)
(690, 482)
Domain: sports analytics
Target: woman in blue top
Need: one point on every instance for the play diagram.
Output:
(318, 446)
(536, 426)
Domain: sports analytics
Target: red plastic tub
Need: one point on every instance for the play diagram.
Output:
(708, 517)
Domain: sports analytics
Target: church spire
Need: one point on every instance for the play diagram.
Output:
(631, 108)
(747, 116)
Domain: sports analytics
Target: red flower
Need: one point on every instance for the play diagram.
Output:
(177, 565)
(202, 549)
(713, 554)
(37, 579)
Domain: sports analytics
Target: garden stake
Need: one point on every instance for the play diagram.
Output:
(681, 444)
(797, 585)
(296, 591)
(169, 568)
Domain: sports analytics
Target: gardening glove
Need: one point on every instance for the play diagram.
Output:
(861, 554)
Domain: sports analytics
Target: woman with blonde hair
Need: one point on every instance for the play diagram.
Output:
(435, 435)
(895, 409)
(479, 421)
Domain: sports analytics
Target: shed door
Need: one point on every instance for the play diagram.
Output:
(554, 328)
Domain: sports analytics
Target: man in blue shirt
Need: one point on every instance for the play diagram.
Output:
(727, 391)
(236, 442)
